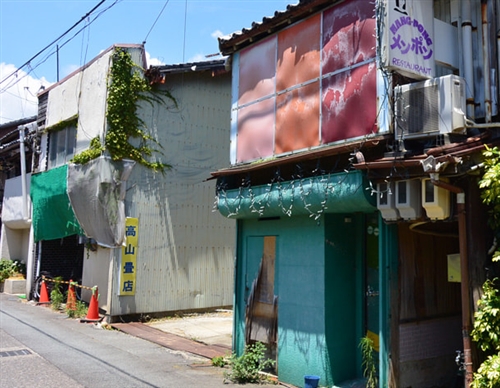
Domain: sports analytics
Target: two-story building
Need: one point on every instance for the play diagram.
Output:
(132, 212)
(16, 152)
(357, 131)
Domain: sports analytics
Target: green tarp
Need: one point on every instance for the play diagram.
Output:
(53, 216)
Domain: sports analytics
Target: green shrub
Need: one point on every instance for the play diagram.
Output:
(80, 311)
(247, 367)
(219, 361)
(7, 269)
(20, 268)
(488, 374)
(56, 295)
(486, 333)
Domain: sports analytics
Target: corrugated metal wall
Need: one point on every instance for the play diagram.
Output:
(185, 253)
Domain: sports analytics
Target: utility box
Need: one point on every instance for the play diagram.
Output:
(386, 202)
(454, 270)
(435, 200)
(408, 203)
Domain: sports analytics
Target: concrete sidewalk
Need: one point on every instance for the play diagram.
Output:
(204, 334)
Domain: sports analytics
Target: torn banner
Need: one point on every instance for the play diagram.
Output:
(96, 191)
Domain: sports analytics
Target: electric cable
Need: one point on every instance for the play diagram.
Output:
(184, 39)
(154, 23)
(49, 45)
(15, 73)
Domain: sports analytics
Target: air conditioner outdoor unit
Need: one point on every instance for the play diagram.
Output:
(435, 200)
(408, 201)
(386, 201)
(429, 108)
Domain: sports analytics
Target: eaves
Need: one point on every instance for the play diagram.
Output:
(212, 66)
(301, 156)
(281, 19)
(452, 155)
(101, 54)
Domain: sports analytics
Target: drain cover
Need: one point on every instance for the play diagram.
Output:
(11, 353)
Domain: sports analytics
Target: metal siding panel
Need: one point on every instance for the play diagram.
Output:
(256, 130)
(257, 71)
(348, 35)
(333, 47)
(185, 254)
(298, 54)
(343, 95)
(297, 119)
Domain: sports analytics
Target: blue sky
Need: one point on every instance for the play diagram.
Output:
(185, 31)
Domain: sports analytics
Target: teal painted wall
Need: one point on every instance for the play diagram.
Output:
(299, 284)
(316, 277)
(344, 285)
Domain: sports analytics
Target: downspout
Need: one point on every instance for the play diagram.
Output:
(486, 61)
(464, 268)
(467, 56)
(497, 13)
(23, 174)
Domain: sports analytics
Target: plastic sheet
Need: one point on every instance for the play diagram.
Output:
(96, 191)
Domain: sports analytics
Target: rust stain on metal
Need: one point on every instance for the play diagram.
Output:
(261, 318)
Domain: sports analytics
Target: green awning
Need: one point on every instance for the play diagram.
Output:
(332, 193)
(53, 215)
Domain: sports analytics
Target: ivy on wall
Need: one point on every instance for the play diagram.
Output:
(490, 189)
(127, 88)
(71, 122)
(487, 318)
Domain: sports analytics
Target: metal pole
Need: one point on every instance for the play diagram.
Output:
(464, 285)
(23, 173)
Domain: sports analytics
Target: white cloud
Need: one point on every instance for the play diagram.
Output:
(153, 61)
(217, 34)
(18, 93)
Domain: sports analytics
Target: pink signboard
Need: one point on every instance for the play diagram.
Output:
(305, 87)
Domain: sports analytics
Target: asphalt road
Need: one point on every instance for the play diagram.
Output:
(43, 348)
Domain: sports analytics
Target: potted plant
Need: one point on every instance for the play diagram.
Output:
(19, 269)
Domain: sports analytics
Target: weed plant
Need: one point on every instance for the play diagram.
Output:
(80, 310)
(219, 361)
(369, 365)
(247, 367)
(56, 295)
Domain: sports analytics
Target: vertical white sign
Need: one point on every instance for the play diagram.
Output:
(409, 34)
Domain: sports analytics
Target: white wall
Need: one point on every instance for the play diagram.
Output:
(15, 213)
(84, 94)
(96, 270)
(14, 244)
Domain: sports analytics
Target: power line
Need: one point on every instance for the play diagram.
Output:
(185, 25)
(47, 56)
(151, 29)
(52, 43)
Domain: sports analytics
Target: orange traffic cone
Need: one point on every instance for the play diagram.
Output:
(44, 294)
(71, 301)
(93, 312)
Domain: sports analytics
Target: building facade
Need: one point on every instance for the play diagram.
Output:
(147, 240)
(357, 132)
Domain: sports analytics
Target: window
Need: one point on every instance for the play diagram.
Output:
(62, 145)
